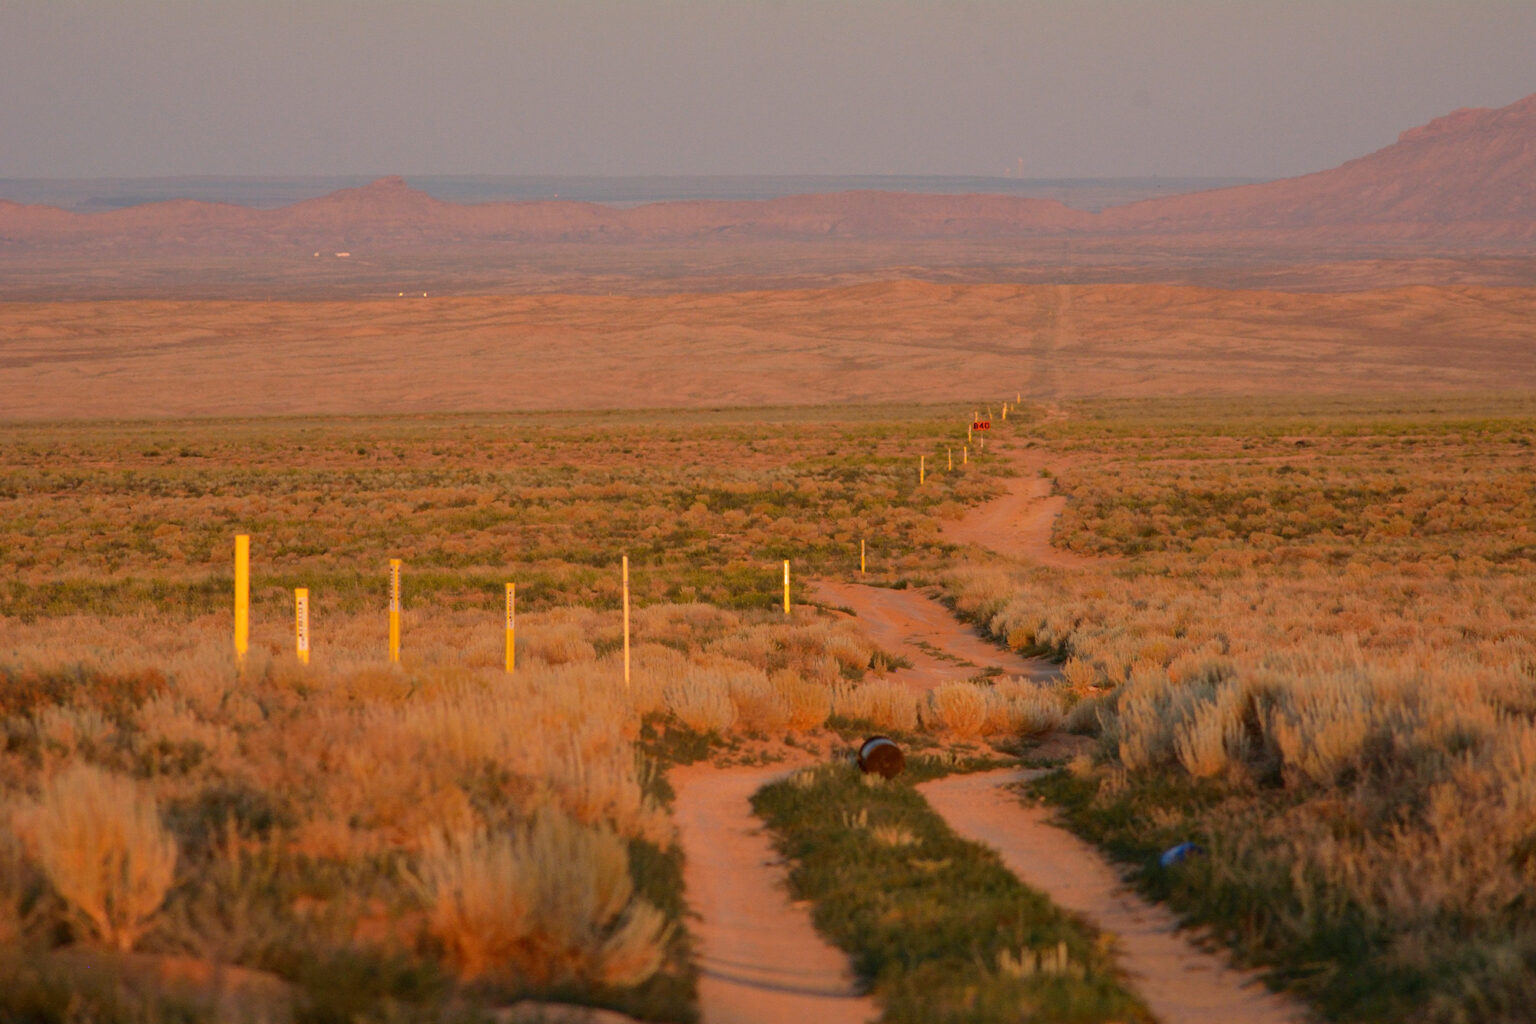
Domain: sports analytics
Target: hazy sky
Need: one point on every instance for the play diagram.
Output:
(1099, 88)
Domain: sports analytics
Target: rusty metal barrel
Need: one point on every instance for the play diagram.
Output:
(882, 757)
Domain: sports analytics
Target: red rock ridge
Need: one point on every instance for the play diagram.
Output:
(1466, 178)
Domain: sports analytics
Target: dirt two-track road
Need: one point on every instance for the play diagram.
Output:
(762, 962)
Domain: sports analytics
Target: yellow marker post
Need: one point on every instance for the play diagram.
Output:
(1005, 410)
(951, 456)
(242, 596)
(301, 624)
(922, 472)
(511, 626)
(965, 455)
(625, 581)
(786, 586)
(1017, 398)
(394, 609)
(861, 555)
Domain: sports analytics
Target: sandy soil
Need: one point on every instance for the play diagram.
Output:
(1180, 983)
(1018, 525)
(892, 341)
(761, 961)
(917, 627)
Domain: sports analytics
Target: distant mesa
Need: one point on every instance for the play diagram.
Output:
(1466, 178)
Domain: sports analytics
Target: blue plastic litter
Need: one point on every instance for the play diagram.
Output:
(1175, 854)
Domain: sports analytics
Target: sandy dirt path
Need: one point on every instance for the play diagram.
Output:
(941, 648)
(1180, 983)
(760, 959)
(1018, 525)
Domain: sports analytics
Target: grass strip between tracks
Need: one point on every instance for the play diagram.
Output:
(936, 926)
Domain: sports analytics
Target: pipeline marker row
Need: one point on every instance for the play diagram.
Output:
(301, 595)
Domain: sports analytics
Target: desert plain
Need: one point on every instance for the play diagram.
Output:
(905, 340)
(1211, 654)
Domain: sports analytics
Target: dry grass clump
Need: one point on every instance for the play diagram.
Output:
(65, 732)
(99, 840)
(820, 650)
(652, 668)
(1018, 707)
(699, 701)
(961, 708)
(850, 650)
(558, 638)
(893, 835)
(169, 723)
(719, 695)
(884, 704)
(760, 706)
(1080, 674)
(987, 591)
(564, 733)
(1321, 727)
(757, 677)
(386, 754)
(560, 645)
(550, 901)
(809, 704)
(1212, 739)
(1205, 665)
(1026, 708)
(680, 623)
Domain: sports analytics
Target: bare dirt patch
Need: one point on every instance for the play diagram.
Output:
(917, 627)
(1018, 525)
(1180, 982)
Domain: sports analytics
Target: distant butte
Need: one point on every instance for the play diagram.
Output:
(1466, 178)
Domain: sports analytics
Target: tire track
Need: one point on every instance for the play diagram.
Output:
(1181, 983)
(760, 959)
